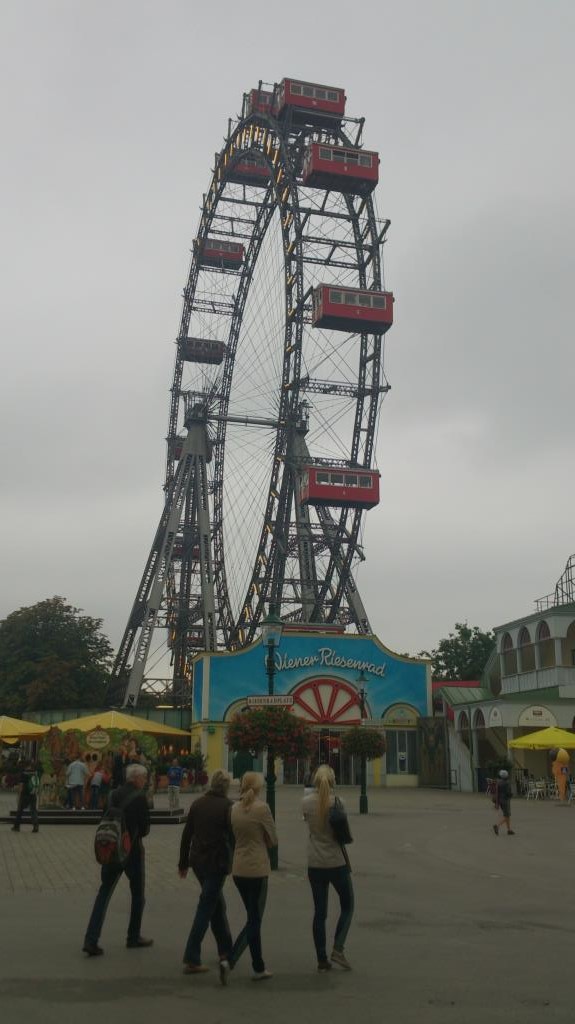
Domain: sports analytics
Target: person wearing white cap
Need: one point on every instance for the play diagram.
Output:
(502, 799)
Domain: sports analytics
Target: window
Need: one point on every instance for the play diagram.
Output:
(333, 96)
(379, 301)
(350, 299)
(335, 296)
(365, 481)
(351, 481)
(364, 300)
(339, 154)
(365, 159)
(322, 478)
(324, 154)
(320, 94)
(295, 89)
(307, 91)
(337, 479)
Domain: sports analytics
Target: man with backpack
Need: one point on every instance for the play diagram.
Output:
(28, 796)
(127, 813)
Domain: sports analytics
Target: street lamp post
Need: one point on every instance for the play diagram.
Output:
(271, 636)
(363, 807)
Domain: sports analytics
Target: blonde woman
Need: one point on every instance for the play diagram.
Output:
(255, 833)
(327, 864)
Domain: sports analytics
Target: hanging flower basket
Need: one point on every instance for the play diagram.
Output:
(256, 728)
(370, 742)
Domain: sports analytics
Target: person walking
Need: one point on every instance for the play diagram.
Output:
(76, 775)
(206, 847)
(255, 834)
(28, 796)
(502, 799)
(95, 786)
(131, 798)
(175, 775)
(328, 864)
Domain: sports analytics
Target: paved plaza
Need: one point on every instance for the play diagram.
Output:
(451, 924)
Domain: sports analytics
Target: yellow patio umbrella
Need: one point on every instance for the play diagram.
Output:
(544, 739)
(12, 729)
(117, 720)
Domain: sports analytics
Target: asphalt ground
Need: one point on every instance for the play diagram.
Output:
(451, 924)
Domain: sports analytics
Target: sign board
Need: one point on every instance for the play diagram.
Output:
(537, 715)
(276, 701)
(97, 739)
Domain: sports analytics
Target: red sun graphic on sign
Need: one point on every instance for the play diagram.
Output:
(327, 702)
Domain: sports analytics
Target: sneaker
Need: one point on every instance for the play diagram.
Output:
(195, 969)
(92, 949)
(15, 828)
(36, 829)
(510, 832)
(338, 957)
(496, 829)
(261, 975)
(324, 965)
(139, 943)
(224, 972)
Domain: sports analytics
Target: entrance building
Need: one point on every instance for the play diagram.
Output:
(323, 674)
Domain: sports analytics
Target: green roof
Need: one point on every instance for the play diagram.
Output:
(457, 695)
(465, 694)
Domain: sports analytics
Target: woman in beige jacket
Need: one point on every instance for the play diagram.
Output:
(255, 833)
(327, 865)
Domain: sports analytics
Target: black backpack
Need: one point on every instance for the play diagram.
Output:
(112, 842)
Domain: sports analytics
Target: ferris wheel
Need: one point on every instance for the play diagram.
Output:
(277, 386)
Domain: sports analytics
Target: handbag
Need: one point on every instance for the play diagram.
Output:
(339, 824)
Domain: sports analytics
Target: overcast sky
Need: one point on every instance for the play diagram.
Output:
(111, 113)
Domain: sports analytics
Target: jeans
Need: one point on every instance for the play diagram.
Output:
(77, 796)
(173, 798)
(134, 868)
(211, 910)
(319, 879)
(253, 892)
(27, 800)
(94, 797)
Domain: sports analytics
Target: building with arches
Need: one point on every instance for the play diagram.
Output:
(321, 674)
(528, 683)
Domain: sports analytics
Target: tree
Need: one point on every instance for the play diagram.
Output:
(52, 656)
(277, 728)
(358, 741)
(461, 655)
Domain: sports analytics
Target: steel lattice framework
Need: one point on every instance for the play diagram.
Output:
(233, 536)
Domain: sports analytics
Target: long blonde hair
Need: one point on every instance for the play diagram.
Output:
(324, 781)
(250, 786)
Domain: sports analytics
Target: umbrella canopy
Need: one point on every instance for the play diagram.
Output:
(544, 739)
(16, 728)
(117, 720)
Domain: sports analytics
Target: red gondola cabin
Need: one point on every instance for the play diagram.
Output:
(201, 350)
(342, 488)
(351, 309)
(250, 170)
(355, 171)
(218, 252)
(309, 103)
(259, 102)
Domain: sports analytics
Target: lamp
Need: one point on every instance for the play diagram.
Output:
(362, 686)
(271, 637)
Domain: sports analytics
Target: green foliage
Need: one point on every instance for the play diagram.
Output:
(461, 655)
(360, 740)
(256, 728)
(52, 656)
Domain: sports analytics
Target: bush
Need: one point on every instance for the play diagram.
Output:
(358, 741)
(278, 728)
